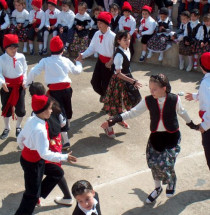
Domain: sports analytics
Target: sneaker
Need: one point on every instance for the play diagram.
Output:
(32, 52)
(95, 55)
(38, 204)
(4, 134)
(40, 52)
(154, 195)
(149, 55)
(62, 201)
(110, 132)
(160, 58)
(142, 58)
(124, 124)
(66, 146)
(25, 50)
(189, 67)
(44, 51)
(18, 130)
(181, 65)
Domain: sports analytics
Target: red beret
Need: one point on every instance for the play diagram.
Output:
(105, 17)
(56, 45)
(40, 103)
(10, 40)
(148, 8)
(205, 61)
(4, 4)
(54, 2)
(126, 6)
(37, 3)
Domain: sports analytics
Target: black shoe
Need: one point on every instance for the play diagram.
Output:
(44, 51)
(66, 146)
(18, 130)
(40, 52)
(4, 134)
(142, 58)
(170, 192)
(154, 194)
(32, 52)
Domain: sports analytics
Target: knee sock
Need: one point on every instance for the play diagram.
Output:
(64, 188)
(6, 123)
(190, 59)
(31, 46)
(65, 137)
(143, 53)
(40, 46)
(157, 183)
(161, 54)
(195, 59)
(46, 34)
(181, 58)
(19, 120)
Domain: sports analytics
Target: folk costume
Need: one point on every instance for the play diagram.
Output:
(115, 23)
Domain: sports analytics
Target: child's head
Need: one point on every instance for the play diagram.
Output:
(122, 39)
(51, 4)
(205, 62)
(114, 9)
(185, 17)
(10, 44)
(36, 4)
(19, 5)
(163, 13)
(103, 21)
(206, 19)
(3, 5)
(84, 194)
(126, 9)
(56, 45)
(37, 88)
(96, 10)
(146, 11)
(194, 15)
(82, 8)
(159, 85)
(66, 5)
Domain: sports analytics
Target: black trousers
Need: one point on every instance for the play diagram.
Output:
(32, 33)
(101, 77)
(20, 106)
(206, 146)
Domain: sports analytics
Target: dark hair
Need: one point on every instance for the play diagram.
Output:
(22, 2)
(83, 4)
(66, 2)
(114, 6)
(185, 13)
(37, 88)
(163, 11)
(206, 17)
(161, 80)
(49, 102)
(119, 36)
(81, 187)
(56, 107)
(195, 12)
(97, 8)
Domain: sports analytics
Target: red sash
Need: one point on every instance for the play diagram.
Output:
(52, 21)
(59, 86)
(104, 59)
(30, 155)
(134, 34)
(15, 84)
(201, 113)
(126, 28)
(36, 23)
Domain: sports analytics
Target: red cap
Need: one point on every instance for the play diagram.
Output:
(39, 103)
(148, 8)
(205, 61)
(10, 40)
(126, 6)
(4, 4)
(56, 45)
(105, 17)
(37, 3)
(54, 2)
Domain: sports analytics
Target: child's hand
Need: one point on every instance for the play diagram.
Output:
(137, 84)
(187, 43)
(36, 29)
(4, 86)
(61, 30)
(201, 129)
(108, 65)
(189, 97)
(19, 26)
(24, 86)
(206, 44)
(202, 44)
(71, 158)
(52, 27)
(48, 28)
(105, 125)
(79, 58)
(34, 20)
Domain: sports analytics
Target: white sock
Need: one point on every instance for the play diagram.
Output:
(161, 54)
(55, 33)
(143, 53)
(46, 34)
(25, 45)
(65, 137)
(6, 123)
(67, 45)
(31, 46)
(181, 58)
(190, 59)
(19, 120)
(40, 46)
(157, 183)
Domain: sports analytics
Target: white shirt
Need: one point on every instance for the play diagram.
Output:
(51, 16)
(84, 17)
(118, 59)
(7, 22)
(56, 69)
(89, 212)
(192, 25)
(66, 19)
(131, 23)
(200, 34)
(182, 27)
(142, 107)
(40, 15)
(105, 48)
(20, 17)
(34, 137)
(203, 96)
(170, 26)
(7, 67)
(150, 24)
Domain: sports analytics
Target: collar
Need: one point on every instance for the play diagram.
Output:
(165, 21)
(127, 17)
(89, 212)
(195, 22)
(108, 30)
(124, 50)
(7, 56)
(42, 121)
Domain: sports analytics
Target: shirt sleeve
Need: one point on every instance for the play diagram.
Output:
(195, 96)
(2, 79)
(91, 49)
(152, 26)
(120, 24)
(133, 27)
(42, 20)
(6, 24)
(47, 23)
(118, 61)
(182, 112)
(75, 69)
(71, 21)
(31, 17)
(25, 69)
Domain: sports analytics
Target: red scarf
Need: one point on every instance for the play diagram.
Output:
(101, 37)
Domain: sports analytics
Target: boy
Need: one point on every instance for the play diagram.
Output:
(87, 198)
(13, 76)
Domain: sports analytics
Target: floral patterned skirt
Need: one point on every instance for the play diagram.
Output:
(185, 50)
(22, 33)
(200, 50)
(116, 96)
(80, 44)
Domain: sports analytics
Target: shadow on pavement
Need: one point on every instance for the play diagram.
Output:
(6, 142)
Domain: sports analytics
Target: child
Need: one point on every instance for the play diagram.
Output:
(117, 94)
(56, 69)
(204, 104)
(102, 43)
(127, 22)
(164, 142)
(186, 46)
(52, 169)
(146, 30)
(115, 11)
(165, 3)
(37, 21)
(13, 75)
(161, 41)
(65, 22)
(82, 24)
(34, 143)
(87, 198)
(4, 21)
(51, 15)
(20, 21)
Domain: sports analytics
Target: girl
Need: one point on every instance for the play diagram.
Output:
(186, 46)
(160, 42)
(146, 29)
(82, 24)
(115, 11)
(65, 22)
(164, 141)
(117, 94)
(20, 21)
(51, 15)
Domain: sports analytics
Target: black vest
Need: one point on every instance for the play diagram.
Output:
(114, 23)
(84, 23)
(192, 32)
(169, 116)
(206, 38)
(54, 125)
(2, 20)
(164, 24)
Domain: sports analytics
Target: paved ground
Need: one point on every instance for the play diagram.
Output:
(117, 168)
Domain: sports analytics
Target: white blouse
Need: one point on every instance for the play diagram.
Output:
(118, 59)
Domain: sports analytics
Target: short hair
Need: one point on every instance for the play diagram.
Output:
(97, 8)
(66, 2)
(206, 17)
(114, 6)
(81, 187)
(185, 13)
(23, 2)
(83, 4)
(37, 88)
(195, 12)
